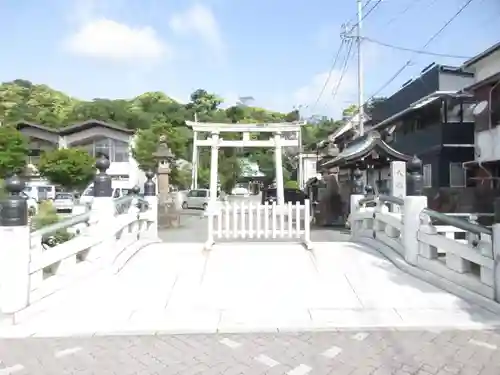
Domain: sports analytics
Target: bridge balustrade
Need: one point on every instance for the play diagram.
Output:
(454, 252)
(36, 263)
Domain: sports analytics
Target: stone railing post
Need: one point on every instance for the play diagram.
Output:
(152, 199)
(414, 204)
(102, 211)
(496, 250)
(15, 248)
(357, 194)
(102, 205)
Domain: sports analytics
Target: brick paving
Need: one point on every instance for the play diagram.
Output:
(386, 352)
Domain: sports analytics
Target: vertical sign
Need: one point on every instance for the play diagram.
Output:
(398, 182)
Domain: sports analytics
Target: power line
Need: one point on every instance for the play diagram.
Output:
(405, 10)
(377, 3)
(431, 39)
(332, 68)
(344, 70)
(416, 51)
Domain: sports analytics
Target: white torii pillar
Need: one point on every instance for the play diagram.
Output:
(278, 164)
(214, 168)
(194, 162)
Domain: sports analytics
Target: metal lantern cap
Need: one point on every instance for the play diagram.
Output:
(14, 184)
(414, 165)
(102, 163)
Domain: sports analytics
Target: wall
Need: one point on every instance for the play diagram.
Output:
(488, 145)
(418, 142)
(437, 78)
(458, 133)
(487, 67)
(308, 168)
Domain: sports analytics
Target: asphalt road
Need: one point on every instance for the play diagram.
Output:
(338, 353)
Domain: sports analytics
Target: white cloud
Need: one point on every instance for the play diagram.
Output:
(307, 95)
(199, 21)
(110, 40)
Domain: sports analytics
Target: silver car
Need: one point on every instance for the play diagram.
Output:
(64, 202)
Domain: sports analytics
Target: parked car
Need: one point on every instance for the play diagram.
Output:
(291, 195)
(240, 189)
(64, 202)
(197, 199)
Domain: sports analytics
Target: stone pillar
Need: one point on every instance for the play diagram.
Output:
(15, 249)
(278, 165)
(413, 206)
(152, 199)
(356, 195)
(414, 179)
(103, 200)
(358, 185)
(163, 180)
(103, 210)
(496, 250)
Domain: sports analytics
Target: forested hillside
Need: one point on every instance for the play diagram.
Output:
(152, 114)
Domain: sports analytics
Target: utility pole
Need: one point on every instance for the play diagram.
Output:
(360, 67)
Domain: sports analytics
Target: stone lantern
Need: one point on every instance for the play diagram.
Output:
(164, 158)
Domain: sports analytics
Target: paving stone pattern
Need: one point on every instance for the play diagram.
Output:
(387, 352)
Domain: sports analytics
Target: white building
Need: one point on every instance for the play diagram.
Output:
(96, 137)
(486, 115)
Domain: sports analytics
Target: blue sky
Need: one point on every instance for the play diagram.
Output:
(277, 51)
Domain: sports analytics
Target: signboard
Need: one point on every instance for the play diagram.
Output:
(398, 181)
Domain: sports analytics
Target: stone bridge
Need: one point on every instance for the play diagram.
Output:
(265, 270)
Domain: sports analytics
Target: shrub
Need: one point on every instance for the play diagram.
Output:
(291, 185)
(47, 215)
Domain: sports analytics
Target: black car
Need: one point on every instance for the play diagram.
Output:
(291, 195)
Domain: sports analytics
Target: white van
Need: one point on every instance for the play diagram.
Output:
(40, 192)
(120, 189)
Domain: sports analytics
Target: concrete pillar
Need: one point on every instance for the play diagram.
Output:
(102, 204)
(103, 210)
(358, 183)
(411, 225)
(15, 248)
(194, 162)
(214, 168)
(278, 164)
(414, 179)
(496, 250)
(152, 199)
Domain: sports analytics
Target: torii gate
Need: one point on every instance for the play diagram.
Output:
(215, 142)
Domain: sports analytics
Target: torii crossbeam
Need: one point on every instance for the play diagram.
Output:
(215, 142)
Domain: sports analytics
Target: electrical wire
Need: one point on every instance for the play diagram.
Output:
(405, 10)
(378, 2)
(328, 78)
(431, 39)
(416, 51)
(344, 70)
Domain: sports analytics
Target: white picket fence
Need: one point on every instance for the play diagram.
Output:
(247, 221)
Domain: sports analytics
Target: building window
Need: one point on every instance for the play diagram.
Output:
(120, 151)
(457, 175)
(116, 151)
(427, 175)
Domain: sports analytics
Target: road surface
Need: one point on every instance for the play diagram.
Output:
(387, 352)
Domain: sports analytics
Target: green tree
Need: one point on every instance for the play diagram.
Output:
(203, 102)
(13, 151)
(71, 168)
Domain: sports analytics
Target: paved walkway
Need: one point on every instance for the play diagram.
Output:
(249, 287)
(339, 353)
